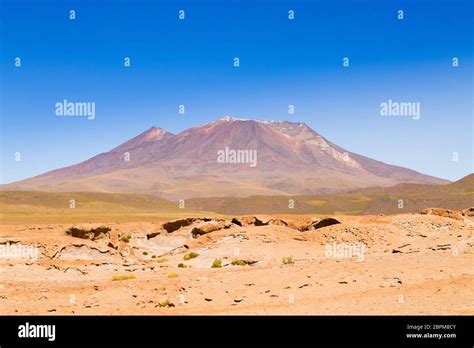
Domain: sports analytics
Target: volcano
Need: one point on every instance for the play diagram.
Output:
(227, 157)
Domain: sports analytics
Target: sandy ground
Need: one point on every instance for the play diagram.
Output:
(400, 264)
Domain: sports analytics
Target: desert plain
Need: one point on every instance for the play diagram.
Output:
(204, 263)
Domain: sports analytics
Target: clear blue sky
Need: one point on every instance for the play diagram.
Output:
(283, 62)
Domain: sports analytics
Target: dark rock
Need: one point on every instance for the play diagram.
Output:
(92, 234)
(175, 225)
(325, 222)
(208, 227)
(152, 235)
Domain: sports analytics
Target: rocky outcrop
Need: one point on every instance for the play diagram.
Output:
(468, 212)
(277, 222)
(89, 233)
(208, 227)
(255, 221)
(175, 225)
(443, 213)
(198, 226)
(274, 221)
(248, 220)
(325, 222)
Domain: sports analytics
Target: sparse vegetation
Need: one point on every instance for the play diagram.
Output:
(217, 263)
(172, 275)
(288, 260)
(239, 263)
(181, 265)
(190, 256)
(123, 277)
(126, 238)
(166, 304)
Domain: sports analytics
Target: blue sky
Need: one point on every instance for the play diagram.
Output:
(283, 62)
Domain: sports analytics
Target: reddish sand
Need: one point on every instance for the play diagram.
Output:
(401, 264)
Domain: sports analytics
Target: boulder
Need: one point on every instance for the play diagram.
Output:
(325, 222)
(468, 212)
(152, 234)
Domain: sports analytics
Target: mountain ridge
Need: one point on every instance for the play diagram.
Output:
(292, 159)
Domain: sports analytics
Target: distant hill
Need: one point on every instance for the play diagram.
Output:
(377, 200)
(37, 207)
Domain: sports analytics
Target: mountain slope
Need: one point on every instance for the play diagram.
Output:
(288, 158)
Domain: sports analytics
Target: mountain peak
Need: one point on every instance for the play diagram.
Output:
(228, 118)
(292, 159)
(151, 135)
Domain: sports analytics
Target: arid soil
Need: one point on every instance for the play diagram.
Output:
(285, 264)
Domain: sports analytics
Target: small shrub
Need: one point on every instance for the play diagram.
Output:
(153, 256)
(145, 253)
(287, 260)
(165, 304)
(123, 277)
(126, 238)
(217, 263)
(172, 275)
(190, 256)
(181, 265)
(239, 263)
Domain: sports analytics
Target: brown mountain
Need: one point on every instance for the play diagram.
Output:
(273, 158)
